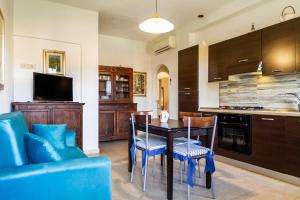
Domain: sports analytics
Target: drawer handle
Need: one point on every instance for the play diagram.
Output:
(187, 88)
(217, 78)
(187, 93)
(276, 71)
(243, 60)
(267, 119)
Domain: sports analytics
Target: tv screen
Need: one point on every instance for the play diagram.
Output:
(52, 88)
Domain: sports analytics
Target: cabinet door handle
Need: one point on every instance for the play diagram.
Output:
(187, 88)
(217, 78)
(187, 93)
(243, 60)
(276, 70)
(267, 119)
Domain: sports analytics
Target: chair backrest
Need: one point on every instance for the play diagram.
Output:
(191, 114)
(142, 117)
(201, 122)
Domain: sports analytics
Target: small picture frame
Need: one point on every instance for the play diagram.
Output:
(140, 84)
(54, 62)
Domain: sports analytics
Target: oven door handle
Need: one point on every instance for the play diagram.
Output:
(233, 124)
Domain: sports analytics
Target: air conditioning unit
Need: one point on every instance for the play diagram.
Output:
(164, 45)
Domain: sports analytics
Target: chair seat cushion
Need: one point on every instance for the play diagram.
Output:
(13, 126)
(40, 150)
(153, 143)
(54, 133)
(182, 140)
(71, 153)
(195, 150)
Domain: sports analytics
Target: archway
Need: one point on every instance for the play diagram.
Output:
(163, 90)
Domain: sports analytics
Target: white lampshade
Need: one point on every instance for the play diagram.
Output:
(156, 25)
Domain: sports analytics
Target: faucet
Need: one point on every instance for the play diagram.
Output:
(294, 94)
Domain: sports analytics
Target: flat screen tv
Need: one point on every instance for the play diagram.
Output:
(52, 88)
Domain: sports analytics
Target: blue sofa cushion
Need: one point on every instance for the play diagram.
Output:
(71, 153)
(40, 150)
(13, 126)
(54, 133)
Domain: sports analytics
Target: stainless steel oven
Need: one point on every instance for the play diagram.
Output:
(234, 132)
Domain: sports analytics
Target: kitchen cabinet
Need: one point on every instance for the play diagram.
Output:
(268, 142)
(292, 146)
(115, 102)
(217, 60)
(279, 48)
(188, 69)
(297, 44)
(188, 101)
(188, 60)
(244, 53)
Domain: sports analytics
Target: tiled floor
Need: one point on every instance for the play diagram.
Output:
(231, 183)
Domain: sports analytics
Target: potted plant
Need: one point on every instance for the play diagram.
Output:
(295, 94)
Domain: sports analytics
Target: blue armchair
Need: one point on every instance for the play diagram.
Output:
(74, 176)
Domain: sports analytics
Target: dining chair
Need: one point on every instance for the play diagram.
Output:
(191, 152)
(148, 144)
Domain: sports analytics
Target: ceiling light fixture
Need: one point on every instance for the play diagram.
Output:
(156, 24)
(288, 13)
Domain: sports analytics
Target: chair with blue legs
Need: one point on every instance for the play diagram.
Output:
(149, 145)
(191, 152)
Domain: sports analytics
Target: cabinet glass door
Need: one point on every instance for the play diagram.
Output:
(122, 87)
(105, 87)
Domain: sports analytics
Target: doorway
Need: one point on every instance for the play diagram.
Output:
(163, 78)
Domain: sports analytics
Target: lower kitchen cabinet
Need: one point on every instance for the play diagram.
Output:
(292, 146)
(114, 120)
(268, 142)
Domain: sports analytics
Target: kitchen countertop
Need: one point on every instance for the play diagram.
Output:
(252, 112)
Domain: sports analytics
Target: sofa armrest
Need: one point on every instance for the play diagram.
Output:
(80, 179)
(70, 137)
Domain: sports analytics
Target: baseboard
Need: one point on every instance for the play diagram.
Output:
(259, 170)
(92, 152)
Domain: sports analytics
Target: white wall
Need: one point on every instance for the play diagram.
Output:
(42, 25)
(115, 51)
(7, 94)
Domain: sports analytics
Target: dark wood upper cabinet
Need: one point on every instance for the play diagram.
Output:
(297, 44)
(188, 60)
(217, 60)
(279, 48)
(244, 53)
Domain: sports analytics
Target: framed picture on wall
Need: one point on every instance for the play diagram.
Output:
(54, 62)
(140, 84)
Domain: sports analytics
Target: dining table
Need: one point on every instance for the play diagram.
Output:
(169, 130)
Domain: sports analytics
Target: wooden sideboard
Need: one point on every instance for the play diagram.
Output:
(69, 113)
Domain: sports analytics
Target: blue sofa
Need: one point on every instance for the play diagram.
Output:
(74, 176)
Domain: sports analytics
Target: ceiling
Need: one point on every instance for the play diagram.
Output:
(122, 17)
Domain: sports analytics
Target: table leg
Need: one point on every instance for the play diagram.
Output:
(130, 138)
(208, 180)
(170, 166)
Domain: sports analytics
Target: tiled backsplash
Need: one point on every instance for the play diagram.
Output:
(266, 91)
